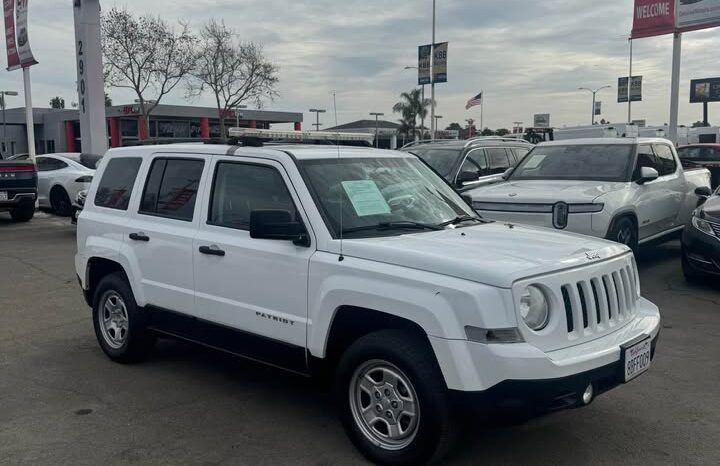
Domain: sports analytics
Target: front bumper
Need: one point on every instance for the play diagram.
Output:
(541, 396)
(477, 367)
(701, 250)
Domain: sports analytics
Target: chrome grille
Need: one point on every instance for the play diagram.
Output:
(596, 304)
(716, 228)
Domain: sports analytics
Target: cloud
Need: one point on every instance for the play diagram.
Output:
(528, 56)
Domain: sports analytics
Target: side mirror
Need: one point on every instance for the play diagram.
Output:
(703, 191)
(468, 177)
(648, 174)
(277, 225)
(507, 173)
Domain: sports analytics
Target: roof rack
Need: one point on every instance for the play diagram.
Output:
(477, 139)
(259, 137)
(427, 141)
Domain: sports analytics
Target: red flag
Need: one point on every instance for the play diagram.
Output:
(10, 41)
(653, 18)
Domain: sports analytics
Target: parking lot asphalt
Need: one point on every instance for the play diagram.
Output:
(62, 402)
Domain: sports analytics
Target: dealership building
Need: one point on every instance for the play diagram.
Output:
(59, 130)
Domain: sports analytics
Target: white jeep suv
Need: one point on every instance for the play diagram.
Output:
(363, 265)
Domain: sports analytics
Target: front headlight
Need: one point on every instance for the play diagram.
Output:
(703, 225)
(534, 308)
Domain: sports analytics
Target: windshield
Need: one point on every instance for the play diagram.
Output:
(442, 160)
(393, 194)
(596, 162)
(699, 153)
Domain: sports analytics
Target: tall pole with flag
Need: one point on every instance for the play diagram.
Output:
(474, 102)
(432, 84)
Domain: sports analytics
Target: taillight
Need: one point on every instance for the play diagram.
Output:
(84, 179)
(17, 168)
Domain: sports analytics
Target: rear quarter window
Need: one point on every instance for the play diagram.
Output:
(117, 183)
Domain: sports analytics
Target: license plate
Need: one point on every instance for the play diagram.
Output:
(636, 357)
(3, 196)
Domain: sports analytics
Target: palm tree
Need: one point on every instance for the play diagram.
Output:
(411, 106)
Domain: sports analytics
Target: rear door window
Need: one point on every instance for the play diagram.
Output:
(117, 183)
(47, 164)
(171, 188)
(665, 160)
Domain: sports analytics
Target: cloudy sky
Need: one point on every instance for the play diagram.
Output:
(527, 56)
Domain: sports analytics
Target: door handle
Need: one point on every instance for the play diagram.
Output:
(212, 251)
(139, 237)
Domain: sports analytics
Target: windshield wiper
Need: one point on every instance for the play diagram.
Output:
(461, 219)
(401, 225)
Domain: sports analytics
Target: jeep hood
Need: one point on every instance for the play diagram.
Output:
(544, 191)
(495, 253)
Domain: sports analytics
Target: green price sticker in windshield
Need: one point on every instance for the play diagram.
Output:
(366, 198)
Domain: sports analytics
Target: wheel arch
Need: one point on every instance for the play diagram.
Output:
(97, 268)
(629, 213)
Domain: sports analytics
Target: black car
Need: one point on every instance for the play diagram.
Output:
(701, 240)
(18, 189)
(705, 156)
(471, 163)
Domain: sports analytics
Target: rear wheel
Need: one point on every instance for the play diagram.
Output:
(120, 327)
(23, 213)
(624, 231)
(60, 202)
(393, 401)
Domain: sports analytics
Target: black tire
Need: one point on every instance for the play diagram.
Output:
(60, 202)
(691, 275)
(136, 342)
(412, 356)
(624, 231)
(24, 213)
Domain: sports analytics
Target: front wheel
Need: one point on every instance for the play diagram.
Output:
(393, 401)
(624, 232)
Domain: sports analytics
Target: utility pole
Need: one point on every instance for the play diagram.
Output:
(437, 120)
(4, 94)
(432, 78)
(317, 112)
(629, 85)
(377, 129)
(594, 94)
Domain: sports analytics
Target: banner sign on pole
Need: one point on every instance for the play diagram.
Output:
(598, 108)
(17, 40)
(705, 90)
(440, 63)
(635, 93)
(424, 53)
(653, 18)
(11, 46)
(541, 120)
(693, 15)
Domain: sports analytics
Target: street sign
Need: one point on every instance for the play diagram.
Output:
(598, 108)
(440, 63)
(705, 90)
(541, 120)
(424, 53)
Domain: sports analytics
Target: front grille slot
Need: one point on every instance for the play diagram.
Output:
(598, 303)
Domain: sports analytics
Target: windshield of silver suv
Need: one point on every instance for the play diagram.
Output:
(587, 162)
(383, 196)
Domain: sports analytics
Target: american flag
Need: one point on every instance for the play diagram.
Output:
(477, 100)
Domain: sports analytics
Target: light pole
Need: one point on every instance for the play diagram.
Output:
(422, 103)
(377, 137)
(3, 94)
(594, 93)
(437, 119)
(238, 114)
(432, 85)
(317, 112)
